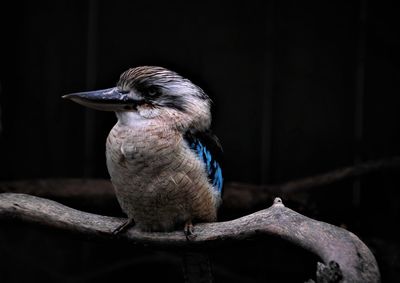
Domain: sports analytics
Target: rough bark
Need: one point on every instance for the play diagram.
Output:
(330, 243)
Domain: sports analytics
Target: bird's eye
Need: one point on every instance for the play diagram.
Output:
(152, 91)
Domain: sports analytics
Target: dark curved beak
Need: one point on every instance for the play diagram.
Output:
(109, 99)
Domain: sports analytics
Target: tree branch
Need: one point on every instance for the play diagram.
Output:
(245, 196)
(237, 196)
(329, 242)
(336, 175)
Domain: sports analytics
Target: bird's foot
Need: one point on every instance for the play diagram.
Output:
(189, 231)
(123, 227)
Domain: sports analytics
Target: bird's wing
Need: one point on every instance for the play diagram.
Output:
(207, 147)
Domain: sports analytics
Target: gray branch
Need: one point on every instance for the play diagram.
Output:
(237, 196)
(330, 243)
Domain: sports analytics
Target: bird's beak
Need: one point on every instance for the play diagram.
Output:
(109, 99)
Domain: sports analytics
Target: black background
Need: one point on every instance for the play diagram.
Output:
(299, 88)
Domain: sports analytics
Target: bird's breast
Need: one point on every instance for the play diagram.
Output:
(158, 180)
(136, 153)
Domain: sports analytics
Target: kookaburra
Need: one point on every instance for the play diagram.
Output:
(161, 154)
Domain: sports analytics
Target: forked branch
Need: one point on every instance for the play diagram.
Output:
(330, 243)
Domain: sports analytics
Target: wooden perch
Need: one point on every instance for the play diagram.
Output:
(332, 244)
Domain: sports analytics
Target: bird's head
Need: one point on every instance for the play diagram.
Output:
(151, 93)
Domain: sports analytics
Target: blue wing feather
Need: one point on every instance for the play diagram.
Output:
(208, 149)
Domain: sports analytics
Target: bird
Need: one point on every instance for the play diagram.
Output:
(162, 157)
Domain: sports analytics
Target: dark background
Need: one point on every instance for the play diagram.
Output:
(299, 88)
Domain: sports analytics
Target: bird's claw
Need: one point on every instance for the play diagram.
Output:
(189, 231)
(123, 227)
